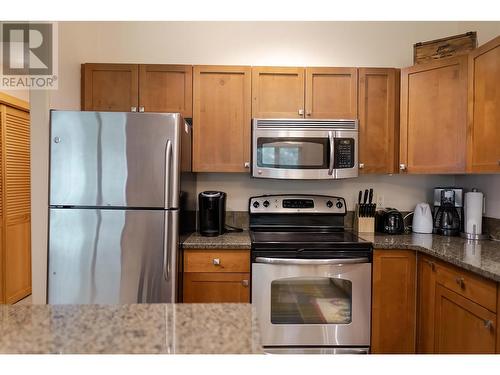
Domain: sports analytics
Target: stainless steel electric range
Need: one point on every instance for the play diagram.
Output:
(311, 279)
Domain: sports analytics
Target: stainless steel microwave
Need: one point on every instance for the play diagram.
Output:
(304, 148)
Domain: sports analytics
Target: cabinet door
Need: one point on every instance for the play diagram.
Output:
(166, 88)
(216, 287)
(221, 118)
(484, 108)
(378, 120)
(110, 87)
(426, 278)
(462, 326)
(393, 301)
(433, 116)
(332, 93)
(16, 203)
(277, 92)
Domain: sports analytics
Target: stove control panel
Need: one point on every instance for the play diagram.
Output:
(280, 204)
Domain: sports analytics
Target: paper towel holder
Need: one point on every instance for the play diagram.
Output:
(474, 236)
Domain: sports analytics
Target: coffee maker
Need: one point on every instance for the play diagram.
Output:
(212, 213)
(448, 211)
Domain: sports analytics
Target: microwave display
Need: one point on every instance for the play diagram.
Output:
(292, 153)
(344, 153)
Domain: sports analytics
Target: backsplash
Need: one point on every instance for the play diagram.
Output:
(399, 191)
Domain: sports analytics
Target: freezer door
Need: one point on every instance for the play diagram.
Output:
(115, 159)
(110, 256)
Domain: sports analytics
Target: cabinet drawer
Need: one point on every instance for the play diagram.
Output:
(475, 288)
(216, 261)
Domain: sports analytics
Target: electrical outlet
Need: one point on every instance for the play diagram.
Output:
(380, 201)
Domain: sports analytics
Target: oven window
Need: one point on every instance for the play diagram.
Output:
(292, 153)
(318, 300)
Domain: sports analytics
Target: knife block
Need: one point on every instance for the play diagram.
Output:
(363, 224)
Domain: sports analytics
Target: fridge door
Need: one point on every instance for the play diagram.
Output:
(115, 159)
(112, 256)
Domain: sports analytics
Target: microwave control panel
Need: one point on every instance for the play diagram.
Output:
(344, 153)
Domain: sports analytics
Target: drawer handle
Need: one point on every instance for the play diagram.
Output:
(432, 264)
(460, 282)
(488, 324)
(216, 261)
(245, 284)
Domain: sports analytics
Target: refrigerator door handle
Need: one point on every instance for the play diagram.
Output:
(168, 172)
(166, 247)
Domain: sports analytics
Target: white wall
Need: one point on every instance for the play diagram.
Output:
(20, 94)
(229, 43)
(489, 185)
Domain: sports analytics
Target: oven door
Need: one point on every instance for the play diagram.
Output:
(312, 302)
(304, 153)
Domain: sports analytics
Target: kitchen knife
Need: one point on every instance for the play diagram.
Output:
(359, 202)
(365, 200)
(370, 206)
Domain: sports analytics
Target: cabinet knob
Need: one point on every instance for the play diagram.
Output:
(308, 113)
(133, 109)
(216, 261)
(499, 163)
(301, 112)
(244, 283)
(247, 164)
(402, 167)
(141, 109)
(431, 264)
(361, 165)
(460, 282)
(488, 324)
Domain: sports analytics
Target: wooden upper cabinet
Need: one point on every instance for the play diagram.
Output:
(166, 88)
(332, 93)
(434, 116)
(277, 92)
(378, 120)
(221, 118)
(484, 108)
(110, 87)
(394, 301)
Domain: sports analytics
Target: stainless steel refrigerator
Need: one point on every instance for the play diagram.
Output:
(114, 206)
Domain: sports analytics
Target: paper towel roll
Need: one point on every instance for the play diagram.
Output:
(473, 212)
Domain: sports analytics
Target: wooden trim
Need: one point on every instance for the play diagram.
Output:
(3, 277)
(12, 101)
(494, 43)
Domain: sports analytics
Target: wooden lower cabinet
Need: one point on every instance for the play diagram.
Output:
(216, 287)
(462, 326)
(393, 301)
(456, 310)
(216, 276)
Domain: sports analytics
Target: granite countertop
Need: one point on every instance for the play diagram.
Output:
(480, 257)
(232, 240)
(129, 329)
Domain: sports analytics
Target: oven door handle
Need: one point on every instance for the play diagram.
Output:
(332, 152)
(312, 262)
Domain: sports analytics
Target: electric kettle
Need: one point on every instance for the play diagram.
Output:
(422, 219)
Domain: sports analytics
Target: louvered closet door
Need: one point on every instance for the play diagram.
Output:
(16, 203)
(2, 247)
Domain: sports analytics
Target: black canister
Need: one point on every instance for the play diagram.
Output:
(212, 213)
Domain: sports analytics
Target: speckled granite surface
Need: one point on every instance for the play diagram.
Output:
(481, 257)
(236, 240)
(130, 329)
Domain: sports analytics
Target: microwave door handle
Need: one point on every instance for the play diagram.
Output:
(332, 152)
(312, 262)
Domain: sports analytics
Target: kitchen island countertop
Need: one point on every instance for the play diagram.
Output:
(129, 329)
